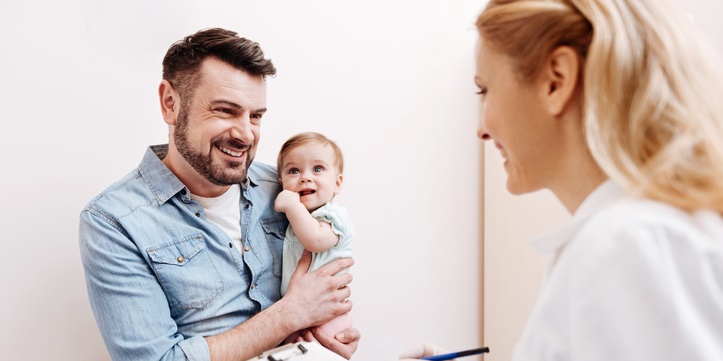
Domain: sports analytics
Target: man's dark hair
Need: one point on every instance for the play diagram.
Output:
(183, 59)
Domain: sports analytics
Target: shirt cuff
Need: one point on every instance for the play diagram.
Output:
(195, 348)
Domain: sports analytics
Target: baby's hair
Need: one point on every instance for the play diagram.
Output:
(308, 138)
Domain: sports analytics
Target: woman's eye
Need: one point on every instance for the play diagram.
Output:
(482, 91)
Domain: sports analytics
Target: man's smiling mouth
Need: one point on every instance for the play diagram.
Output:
(230, 152)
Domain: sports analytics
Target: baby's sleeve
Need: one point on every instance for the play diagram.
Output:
(338, 217)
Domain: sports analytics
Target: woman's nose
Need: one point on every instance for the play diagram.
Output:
(482, 134)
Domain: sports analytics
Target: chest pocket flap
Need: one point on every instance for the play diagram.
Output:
(185, 272)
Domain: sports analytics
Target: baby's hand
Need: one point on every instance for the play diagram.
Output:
(284, 199)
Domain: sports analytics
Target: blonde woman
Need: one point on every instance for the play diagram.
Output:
(613, 106)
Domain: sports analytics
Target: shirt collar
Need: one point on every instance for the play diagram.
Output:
(162, 182)
(605, 194)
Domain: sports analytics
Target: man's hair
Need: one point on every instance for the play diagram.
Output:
(307, 138)
(183, 59)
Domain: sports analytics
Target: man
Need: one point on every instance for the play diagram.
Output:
(182, 257)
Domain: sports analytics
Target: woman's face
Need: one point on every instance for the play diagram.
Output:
(513, 116)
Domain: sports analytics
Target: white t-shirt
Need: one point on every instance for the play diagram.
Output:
(629, 279)
(225, 212)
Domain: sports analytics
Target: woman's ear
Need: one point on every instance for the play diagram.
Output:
(170, 102)
(559, 79)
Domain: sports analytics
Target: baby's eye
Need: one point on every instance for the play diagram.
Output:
(293, 171)
(318, 169)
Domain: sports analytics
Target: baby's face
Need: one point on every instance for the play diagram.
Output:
(309, 170)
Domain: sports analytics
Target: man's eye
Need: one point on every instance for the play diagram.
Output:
(225, 110)
(318, 169)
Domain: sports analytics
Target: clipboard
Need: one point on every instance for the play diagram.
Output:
(299, 351)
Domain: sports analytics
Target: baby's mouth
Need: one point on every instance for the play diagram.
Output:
(306, 192)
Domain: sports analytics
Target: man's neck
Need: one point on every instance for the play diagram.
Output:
(194, 181)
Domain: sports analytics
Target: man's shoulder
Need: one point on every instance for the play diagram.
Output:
(122, 197)
(261, 172)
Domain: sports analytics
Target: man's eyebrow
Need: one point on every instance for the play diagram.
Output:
(235, 105)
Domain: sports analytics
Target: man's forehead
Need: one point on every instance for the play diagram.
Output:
(224, 81)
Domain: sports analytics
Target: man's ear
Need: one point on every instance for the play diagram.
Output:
(339, 180)
(559, 79)
(170, 102)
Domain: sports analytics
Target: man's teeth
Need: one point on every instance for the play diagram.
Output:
(231, 152)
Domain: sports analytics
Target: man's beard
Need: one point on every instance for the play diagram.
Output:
(203, 163)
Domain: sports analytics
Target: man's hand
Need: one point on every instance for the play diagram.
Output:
(316, 297)
(285, 199)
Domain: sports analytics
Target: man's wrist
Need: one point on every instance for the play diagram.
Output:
(287, 318)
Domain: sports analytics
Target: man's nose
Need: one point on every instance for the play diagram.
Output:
(241, 130)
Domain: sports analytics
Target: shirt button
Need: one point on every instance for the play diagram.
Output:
(183, 191)
(180, 259)
(246, 248)
(247, 206)
(230, 245)
(252, 285)
(198, 214)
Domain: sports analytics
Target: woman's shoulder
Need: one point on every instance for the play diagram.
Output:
(632, 220)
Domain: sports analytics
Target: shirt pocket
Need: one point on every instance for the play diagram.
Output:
(275, 228)
(186, 272)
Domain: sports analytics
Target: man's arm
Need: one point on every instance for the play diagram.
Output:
(314, 235)
(313, 298)
(129, 305)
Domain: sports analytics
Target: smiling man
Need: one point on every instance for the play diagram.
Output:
(182, 257)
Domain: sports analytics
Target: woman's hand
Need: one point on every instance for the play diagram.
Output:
(418, 351)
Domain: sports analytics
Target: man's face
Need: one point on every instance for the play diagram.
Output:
(218, 128)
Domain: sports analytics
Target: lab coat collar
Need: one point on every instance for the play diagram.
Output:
(604, 195)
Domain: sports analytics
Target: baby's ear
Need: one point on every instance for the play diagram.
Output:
(339, 180)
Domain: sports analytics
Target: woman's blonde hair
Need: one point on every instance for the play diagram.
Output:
(651, 89)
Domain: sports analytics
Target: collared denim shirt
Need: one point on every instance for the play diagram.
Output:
(160, 276)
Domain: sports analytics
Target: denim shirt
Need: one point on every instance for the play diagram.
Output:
(160, 276)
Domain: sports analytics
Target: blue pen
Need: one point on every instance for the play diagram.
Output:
(451, 355)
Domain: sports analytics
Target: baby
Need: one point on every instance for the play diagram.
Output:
(310, 171)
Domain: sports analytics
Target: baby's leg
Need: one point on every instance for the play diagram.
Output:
(295, 337)
(337, 324)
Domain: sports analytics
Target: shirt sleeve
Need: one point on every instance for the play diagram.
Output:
(129, 305)
(338, 217)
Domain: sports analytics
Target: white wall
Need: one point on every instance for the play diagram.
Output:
(513, 269)
(391, 81)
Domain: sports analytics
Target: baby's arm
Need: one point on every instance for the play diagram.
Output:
(314, 235)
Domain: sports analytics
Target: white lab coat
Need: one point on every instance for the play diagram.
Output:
(629, 279)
